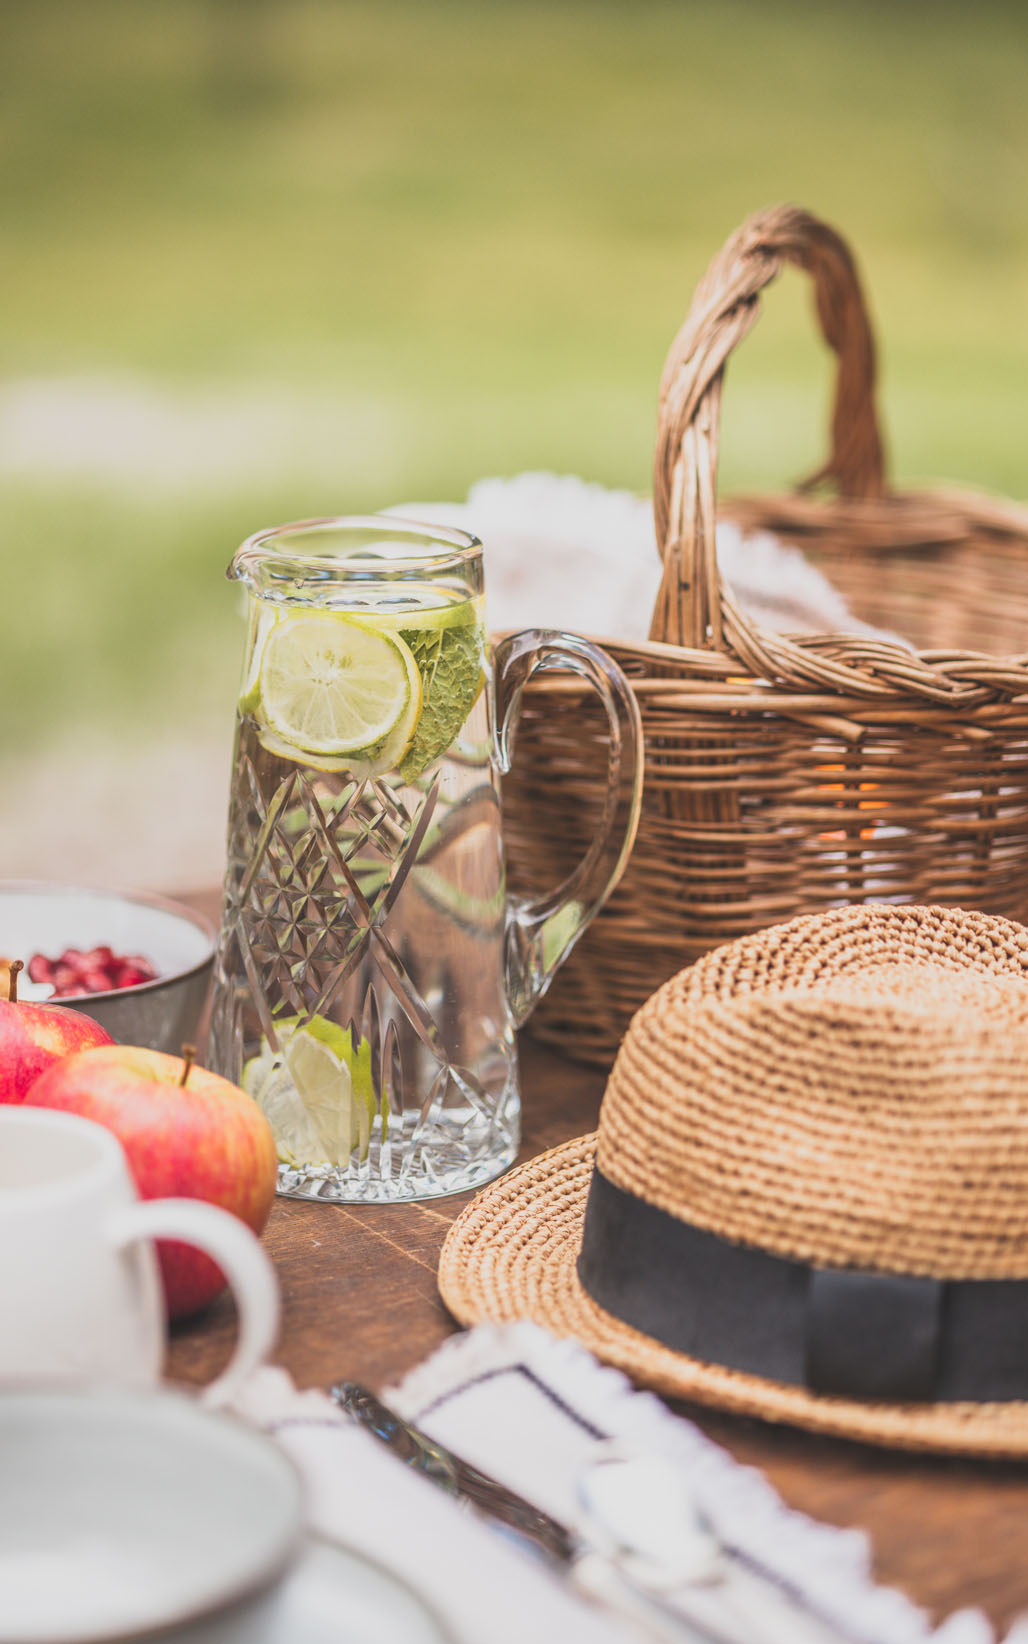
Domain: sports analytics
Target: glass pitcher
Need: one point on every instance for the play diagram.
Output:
(371, 969)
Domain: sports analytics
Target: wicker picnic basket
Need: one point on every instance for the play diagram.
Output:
(789, 774)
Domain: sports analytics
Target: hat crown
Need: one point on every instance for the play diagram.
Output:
(847, 1090)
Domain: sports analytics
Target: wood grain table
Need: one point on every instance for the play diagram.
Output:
(360, 1302)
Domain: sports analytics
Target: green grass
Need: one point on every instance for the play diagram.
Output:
(483, 222)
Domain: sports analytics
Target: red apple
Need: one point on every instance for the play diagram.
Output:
(34, 1036)
(187, 1133)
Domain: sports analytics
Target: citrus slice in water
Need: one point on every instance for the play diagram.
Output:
(262, 618)
(374, 761)
(271, 1085)
(325, 1088)
(333, 686)
(447, 643)
(316, 1092)
(365, 1101)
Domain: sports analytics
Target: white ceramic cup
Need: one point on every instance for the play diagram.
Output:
(80, 1289)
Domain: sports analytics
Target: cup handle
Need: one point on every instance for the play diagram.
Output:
(540, 933)
(237, 1251)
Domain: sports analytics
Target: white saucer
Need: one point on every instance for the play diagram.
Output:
(122, 1512)
(330, 1595)
(140, 1514)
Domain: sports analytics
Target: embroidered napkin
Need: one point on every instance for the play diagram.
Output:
(533, 1412)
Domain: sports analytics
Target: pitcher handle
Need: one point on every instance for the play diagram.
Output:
(541, 932)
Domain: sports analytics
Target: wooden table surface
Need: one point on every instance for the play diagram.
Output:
(360, 1302)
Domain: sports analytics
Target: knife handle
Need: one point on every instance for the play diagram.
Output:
(455, 1475)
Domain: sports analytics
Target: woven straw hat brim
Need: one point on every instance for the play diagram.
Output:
(512, 1255)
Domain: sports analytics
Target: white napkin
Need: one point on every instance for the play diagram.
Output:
(533, 1411)
(563, 553)
(482, 1586)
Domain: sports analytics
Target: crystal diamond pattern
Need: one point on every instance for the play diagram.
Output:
(316, 871)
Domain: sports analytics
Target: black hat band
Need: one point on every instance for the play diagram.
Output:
(842, 1331)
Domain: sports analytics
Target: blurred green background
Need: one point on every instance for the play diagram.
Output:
(263, 259)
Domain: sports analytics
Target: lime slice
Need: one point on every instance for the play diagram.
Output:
(319, 762)
(325, 1088)
(269, 1082)
(262, 619)
(368, 1104)
(332, 686)
(316, 1092)
(358, 1062)
(440, 610)
(374, 761)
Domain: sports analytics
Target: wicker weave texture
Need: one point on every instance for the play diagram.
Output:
(851, 1095)
(846, 1089)
(511, 1255)
(785, 776)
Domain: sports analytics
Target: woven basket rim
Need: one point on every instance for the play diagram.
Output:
(865, 668)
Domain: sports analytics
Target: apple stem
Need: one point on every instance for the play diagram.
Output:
(12, 983)
(188, 1052)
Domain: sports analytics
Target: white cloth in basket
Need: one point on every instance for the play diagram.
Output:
(564, 553)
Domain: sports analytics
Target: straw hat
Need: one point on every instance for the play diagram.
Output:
(807, 1199)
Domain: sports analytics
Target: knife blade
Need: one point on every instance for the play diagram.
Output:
(595, 1574)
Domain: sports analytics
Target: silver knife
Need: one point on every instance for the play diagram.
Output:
(456, 1476)
(597, 1574)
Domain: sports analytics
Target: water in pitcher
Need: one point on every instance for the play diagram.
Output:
(360, 989)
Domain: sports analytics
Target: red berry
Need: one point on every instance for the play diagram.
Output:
(97, 970)
(95, 980)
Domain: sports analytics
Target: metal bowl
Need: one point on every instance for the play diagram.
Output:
(37, 917)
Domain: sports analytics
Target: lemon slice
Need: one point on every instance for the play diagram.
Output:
(332, 686)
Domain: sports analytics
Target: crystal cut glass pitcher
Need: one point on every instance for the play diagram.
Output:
(371, 968)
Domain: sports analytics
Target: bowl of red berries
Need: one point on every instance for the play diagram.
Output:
(139, 965)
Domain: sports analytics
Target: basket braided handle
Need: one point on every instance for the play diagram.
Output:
(693, 608)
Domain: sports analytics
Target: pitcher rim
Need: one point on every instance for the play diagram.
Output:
(459, 546)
